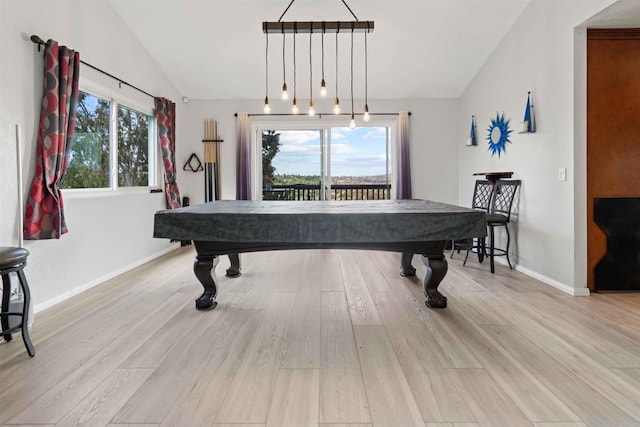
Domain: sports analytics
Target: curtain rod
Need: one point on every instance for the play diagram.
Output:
(37, 40)
(318, 114)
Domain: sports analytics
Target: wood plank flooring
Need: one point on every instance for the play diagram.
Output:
(330, 339)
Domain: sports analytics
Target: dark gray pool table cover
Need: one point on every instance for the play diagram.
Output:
(368, 221)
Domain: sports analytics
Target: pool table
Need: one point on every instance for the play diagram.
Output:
(229, 227)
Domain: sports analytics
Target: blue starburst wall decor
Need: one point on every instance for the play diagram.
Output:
(498, 134)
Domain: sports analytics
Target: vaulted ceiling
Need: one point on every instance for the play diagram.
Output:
(215, 49)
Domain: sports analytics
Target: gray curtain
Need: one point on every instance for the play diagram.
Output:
(243, 171)
(403, 160)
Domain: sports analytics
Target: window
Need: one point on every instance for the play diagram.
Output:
(133, 147)
(329, 163)
(114, 146)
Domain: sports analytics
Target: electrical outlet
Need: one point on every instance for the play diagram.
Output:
(562, 174)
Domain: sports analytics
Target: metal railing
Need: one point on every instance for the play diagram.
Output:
(337, 192)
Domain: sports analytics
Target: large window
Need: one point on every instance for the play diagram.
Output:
(330, 163)
(113, 146)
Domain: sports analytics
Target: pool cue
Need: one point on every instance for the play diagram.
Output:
(209, 133)
(17, 291)
(212, 165)
(217, 165)
(20, 201)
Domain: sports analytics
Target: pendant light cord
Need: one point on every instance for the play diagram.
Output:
(322, 51)
(343, 2)
(266, 67)
(284, 69)
(366, 74)
(295, 84)
(310, 69)
(337, 32)
(352, 71)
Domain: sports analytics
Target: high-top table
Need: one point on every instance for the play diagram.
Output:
(407, 226)
(492, 177)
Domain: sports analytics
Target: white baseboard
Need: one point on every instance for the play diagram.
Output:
(576, 292)
(96, 282)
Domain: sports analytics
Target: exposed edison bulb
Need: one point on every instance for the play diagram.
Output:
(336, 106)
(323, 88)
(285, 94)
(267, 107)
(312, 112)
(352, 122)
(294, 107)
(366, 116)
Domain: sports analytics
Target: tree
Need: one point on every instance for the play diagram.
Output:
(270, 147)
(89, 162)
(133, 148)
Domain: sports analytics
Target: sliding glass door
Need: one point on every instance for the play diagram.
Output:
(326, 163)
(360, 163)
(293, 165)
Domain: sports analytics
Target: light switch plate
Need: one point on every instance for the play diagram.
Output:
(562, 174)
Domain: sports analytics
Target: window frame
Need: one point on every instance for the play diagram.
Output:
(118, 98)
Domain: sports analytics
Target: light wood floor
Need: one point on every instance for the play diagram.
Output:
(329, 338)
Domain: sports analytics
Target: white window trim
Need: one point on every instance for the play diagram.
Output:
(119, 98)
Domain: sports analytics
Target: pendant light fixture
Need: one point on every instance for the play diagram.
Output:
(285, 94)
(352, 122)
(336, 102)
(323, 85)
(294, 106)
(366, 116)
(312, 111)
(267, 107)
(317, 27)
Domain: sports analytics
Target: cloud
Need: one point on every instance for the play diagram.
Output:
(337, 149)
(366, 160)
(297, 137)
(375, 133)
(299, 150)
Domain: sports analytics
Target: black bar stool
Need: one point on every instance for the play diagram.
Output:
(13, 260)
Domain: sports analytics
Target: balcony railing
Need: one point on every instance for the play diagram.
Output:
(337, 192)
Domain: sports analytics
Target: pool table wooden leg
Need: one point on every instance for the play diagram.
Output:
(205, 269)
(406, 269)
(436, 270)
(234, 269)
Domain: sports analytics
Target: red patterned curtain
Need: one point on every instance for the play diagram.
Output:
(44, 214)
(166, 119)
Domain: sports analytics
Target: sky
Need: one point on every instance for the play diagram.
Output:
(354, 152)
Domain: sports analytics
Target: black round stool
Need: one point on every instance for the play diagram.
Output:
(13, 260)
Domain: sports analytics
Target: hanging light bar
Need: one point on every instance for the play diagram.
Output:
(322, 27)
(317, 26)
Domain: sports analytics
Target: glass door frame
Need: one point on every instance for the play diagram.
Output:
(323, 124)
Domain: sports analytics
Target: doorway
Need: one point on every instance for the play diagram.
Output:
(613, 145)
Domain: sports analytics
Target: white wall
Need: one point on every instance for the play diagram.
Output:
(107, 234)
(433, 144)
(536, 55)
